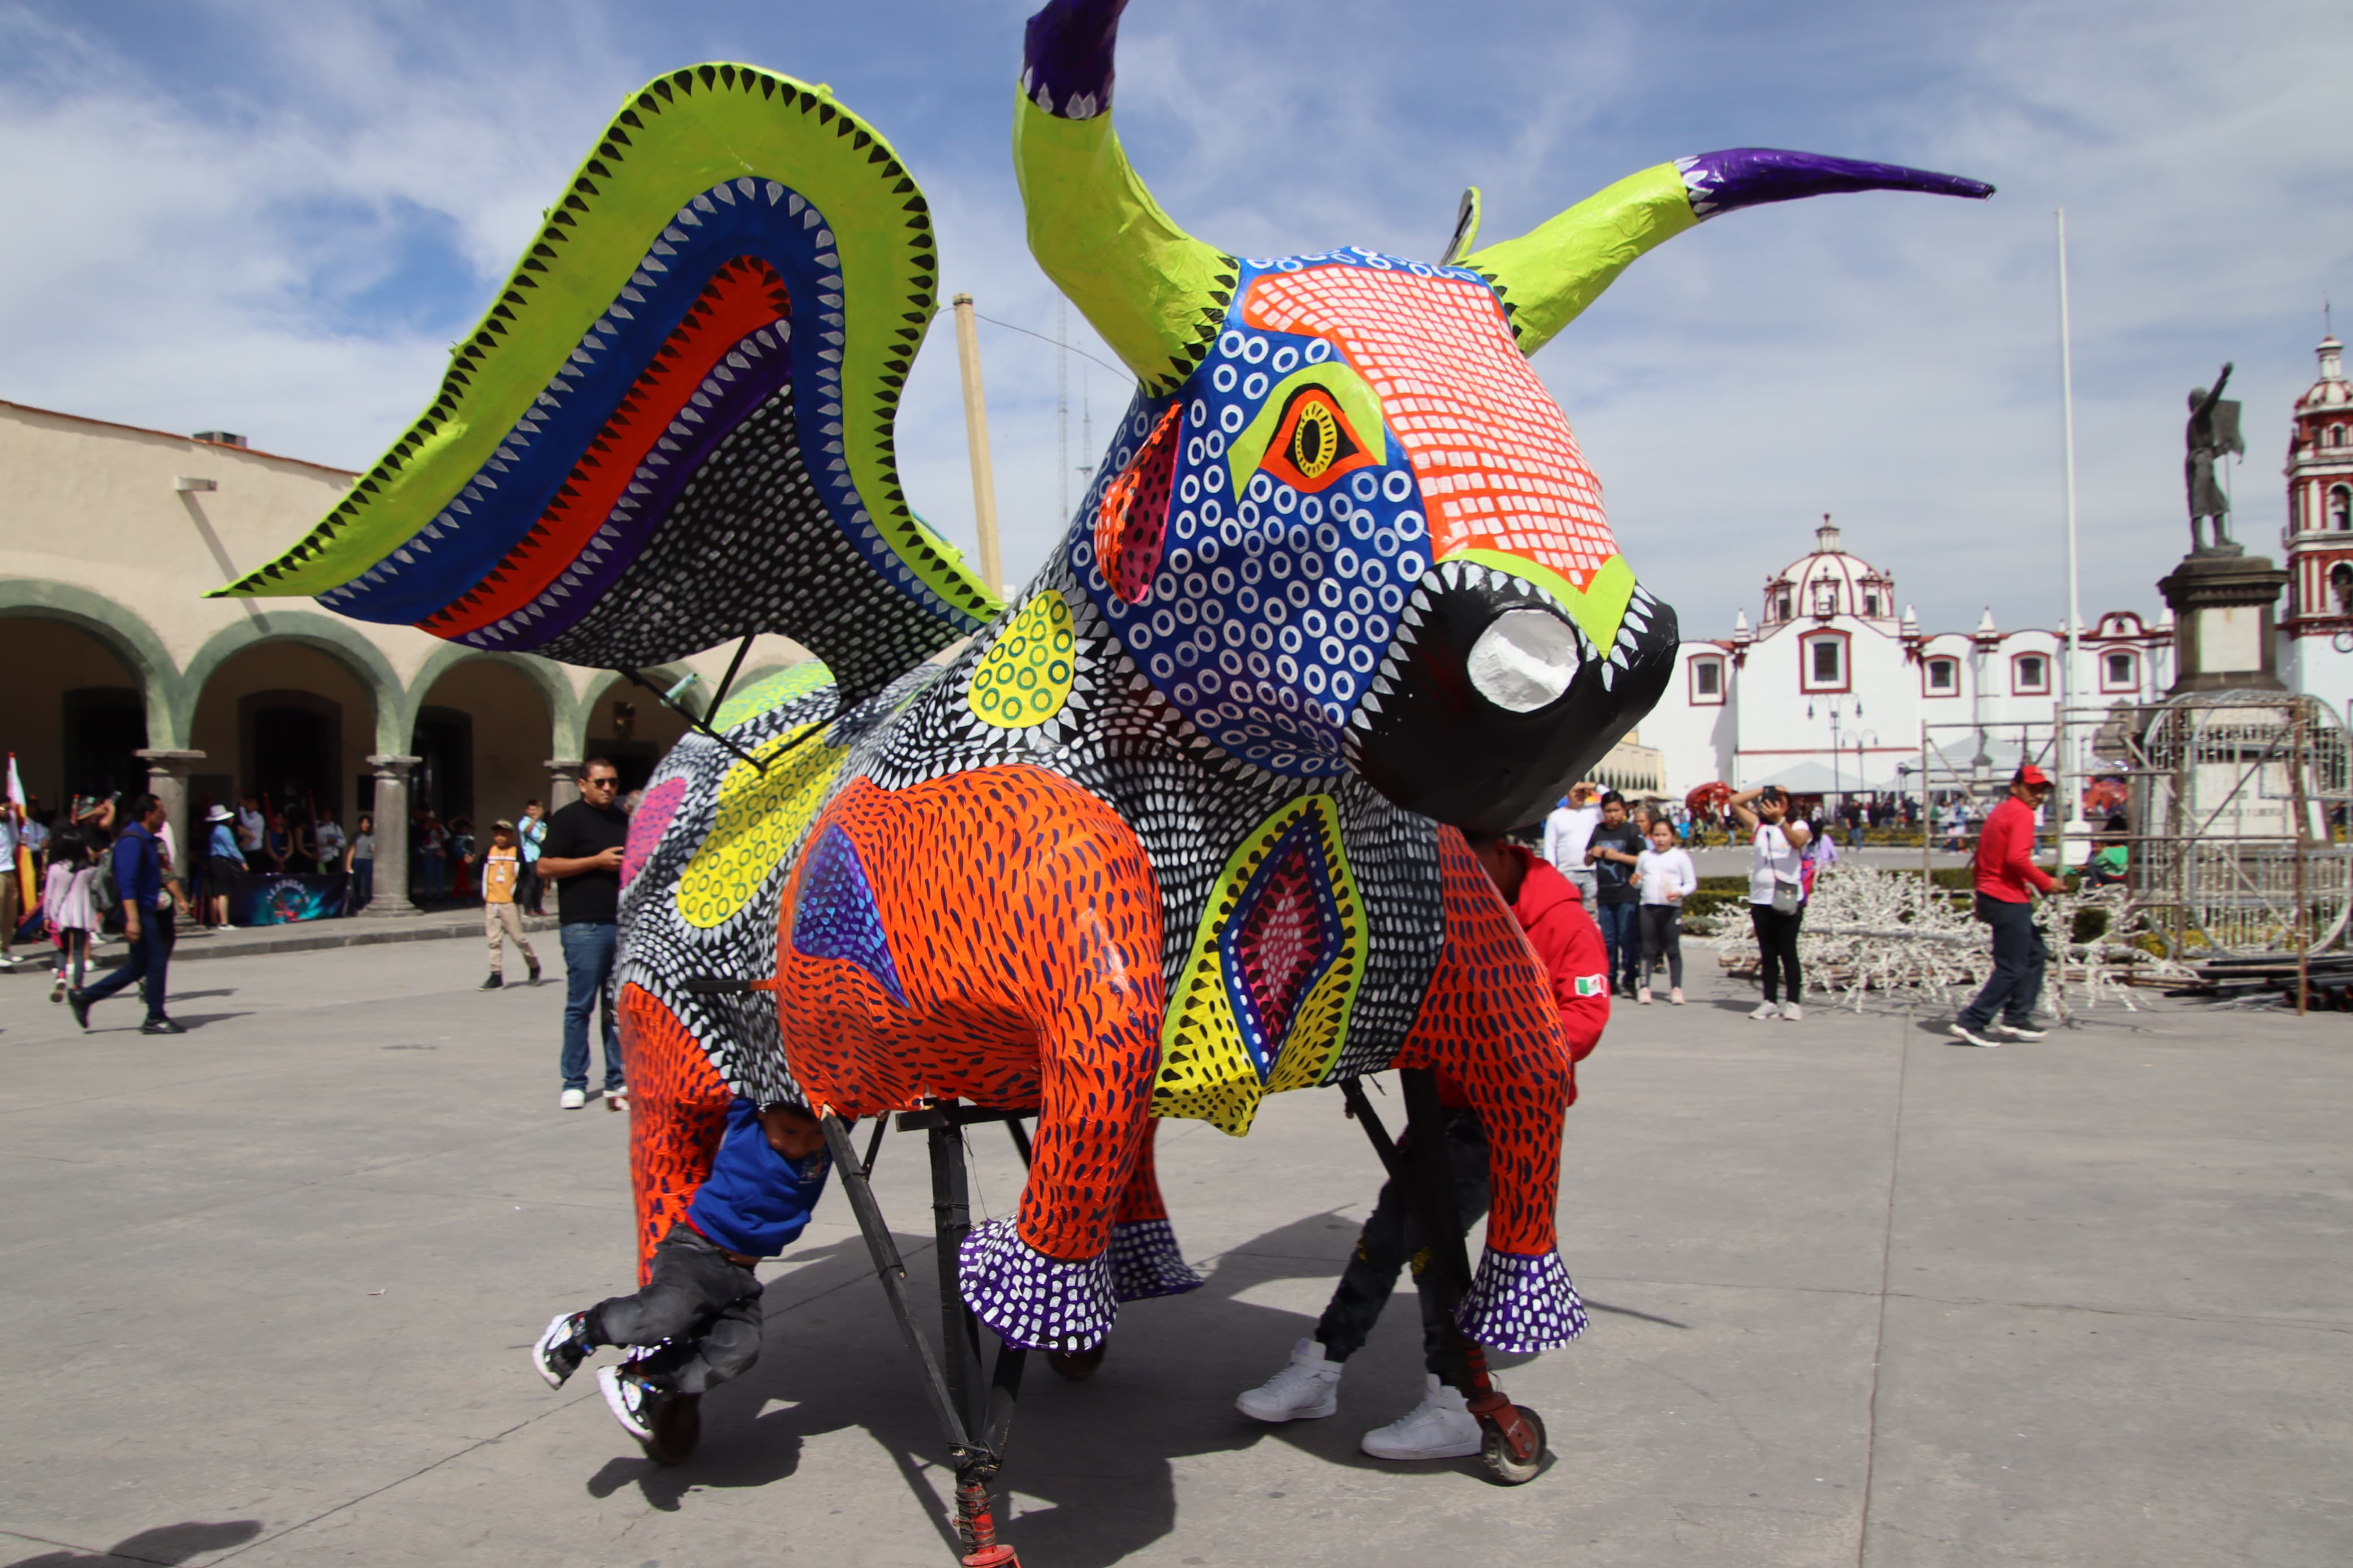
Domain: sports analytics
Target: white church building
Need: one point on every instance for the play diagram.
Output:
(1829, 691)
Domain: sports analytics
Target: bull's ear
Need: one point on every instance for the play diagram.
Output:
(1549, 275)
(1158, 295)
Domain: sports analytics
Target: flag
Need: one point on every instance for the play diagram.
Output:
(16, 786)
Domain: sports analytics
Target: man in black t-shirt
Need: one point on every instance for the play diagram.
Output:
(582, 856)
(1612, 850)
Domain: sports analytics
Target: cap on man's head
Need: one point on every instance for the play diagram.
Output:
(502, 825)
(2033, 776)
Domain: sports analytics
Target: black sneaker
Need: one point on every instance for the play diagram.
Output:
(561, 1348)
(162, 1027)
(534, 970)
(80, 1003)
(493, 982)
(629, 1398)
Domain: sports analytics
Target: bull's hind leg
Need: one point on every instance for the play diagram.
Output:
(1144, 1261)
(678, 1109)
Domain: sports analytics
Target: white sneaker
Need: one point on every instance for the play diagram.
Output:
(1441, 1428)
(1644, 995)
(1676, 997)
(1767, 1010)
(1306, 1390)
(1962, 1032)
(2022, 1032)
(1792, 1012)
(573, 1099)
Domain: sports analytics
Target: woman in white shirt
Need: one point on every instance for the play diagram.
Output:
(1777, 893)
(1666, 876)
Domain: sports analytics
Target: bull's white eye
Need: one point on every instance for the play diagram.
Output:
(1523, 660)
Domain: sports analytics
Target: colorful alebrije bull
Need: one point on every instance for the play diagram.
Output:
(1177, 827)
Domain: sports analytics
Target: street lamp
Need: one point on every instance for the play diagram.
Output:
(1837, 711)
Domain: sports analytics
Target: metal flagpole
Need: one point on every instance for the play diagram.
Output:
(2069, 805)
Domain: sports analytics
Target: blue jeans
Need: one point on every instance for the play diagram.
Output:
(587, 979)
(363, 887)
(149, 956)
(2019, 957)
(1621, 933)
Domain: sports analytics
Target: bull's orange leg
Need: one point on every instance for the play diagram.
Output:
(1145, 1261)
(1488, 1021)
(678, 1109)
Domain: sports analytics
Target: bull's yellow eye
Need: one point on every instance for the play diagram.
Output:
(1313, 443)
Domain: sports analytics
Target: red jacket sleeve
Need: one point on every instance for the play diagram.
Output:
(2021, 865)
(1570, 945)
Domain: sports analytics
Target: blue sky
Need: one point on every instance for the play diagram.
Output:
(273, 218)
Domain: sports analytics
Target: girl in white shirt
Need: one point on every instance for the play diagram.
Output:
(1666, 876)
(1775, 893)
(66, 906)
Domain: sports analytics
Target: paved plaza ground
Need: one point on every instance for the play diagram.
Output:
(1860, 1296)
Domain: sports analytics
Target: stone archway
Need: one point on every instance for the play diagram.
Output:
(492, 717)
(300, 707)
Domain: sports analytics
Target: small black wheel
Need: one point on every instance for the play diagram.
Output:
(1077, 1366)
(1496, 1454)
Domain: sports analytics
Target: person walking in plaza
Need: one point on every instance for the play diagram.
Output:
(13, 899)
(1665, 877)
(1568, 945)
(2005, 872)
(223, 861)
(66, 906)
(502, 870)
(359, 863)
(138, 866)
(1612, 851)
(1777, 894)
(531, 833)
(582, 859)
(1567, 833)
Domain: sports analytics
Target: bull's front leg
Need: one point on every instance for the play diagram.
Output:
(1045, 1279)
(1489, 1022)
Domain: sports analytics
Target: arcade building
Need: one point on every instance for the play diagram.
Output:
(120, 675)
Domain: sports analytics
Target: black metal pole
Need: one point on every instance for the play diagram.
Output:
(892, 1272)
(951, 1222)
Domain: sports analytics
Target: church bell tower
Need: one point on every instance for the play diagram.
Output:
(2319, 537)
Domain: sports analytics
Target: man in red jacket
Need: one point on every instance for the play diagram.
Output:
(1566, 940)
(2005, 870)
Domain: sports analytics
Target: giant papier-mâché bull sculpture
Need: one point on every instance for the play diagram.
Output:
(1177, 826)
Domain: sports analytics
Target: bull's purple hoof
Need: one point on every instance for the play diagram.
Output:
(1522, 1304)
(1029, 1298)
(1144, 1262)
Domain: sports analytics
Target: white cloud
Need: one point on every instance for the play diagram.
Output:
(288, 249)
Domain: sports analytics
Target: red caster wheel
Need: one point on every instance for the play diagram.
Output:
(1077, 1366)
(1507, 1467)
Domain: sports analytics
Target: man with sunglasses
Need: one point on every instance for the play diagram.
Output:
(582, 856)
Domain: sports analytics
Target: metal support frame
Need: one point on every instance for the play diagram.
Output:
(1514, 1435)
(975, 1418)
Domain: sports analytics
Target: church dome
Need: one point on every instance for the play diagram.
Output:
(2332, 393)
(1827, 580)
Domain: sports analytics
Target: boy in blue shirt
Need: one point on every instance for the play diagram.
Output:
(698, 1324)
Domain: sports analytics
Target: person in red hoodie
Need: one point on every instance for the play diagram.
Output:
(1552, 912)
(2005, 870)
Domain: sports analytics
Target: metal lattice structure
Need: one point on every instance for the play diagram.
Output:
(2234, 798)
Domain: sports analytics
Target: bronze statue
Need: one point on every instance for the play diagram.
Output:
(2213, 431)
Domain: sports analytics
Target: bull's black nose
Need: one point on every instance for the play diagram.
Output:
(1495, 703)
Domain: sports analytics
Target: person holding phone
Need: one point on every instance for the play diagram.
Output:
(1777, 893)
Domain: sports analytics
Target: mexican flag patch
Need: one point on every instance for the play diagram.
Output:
(1591, 986)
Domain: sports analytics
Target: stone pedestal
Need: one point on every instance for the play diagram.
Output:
(2222, 607)
(562, 782)
(391, 813)
(167, 777)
